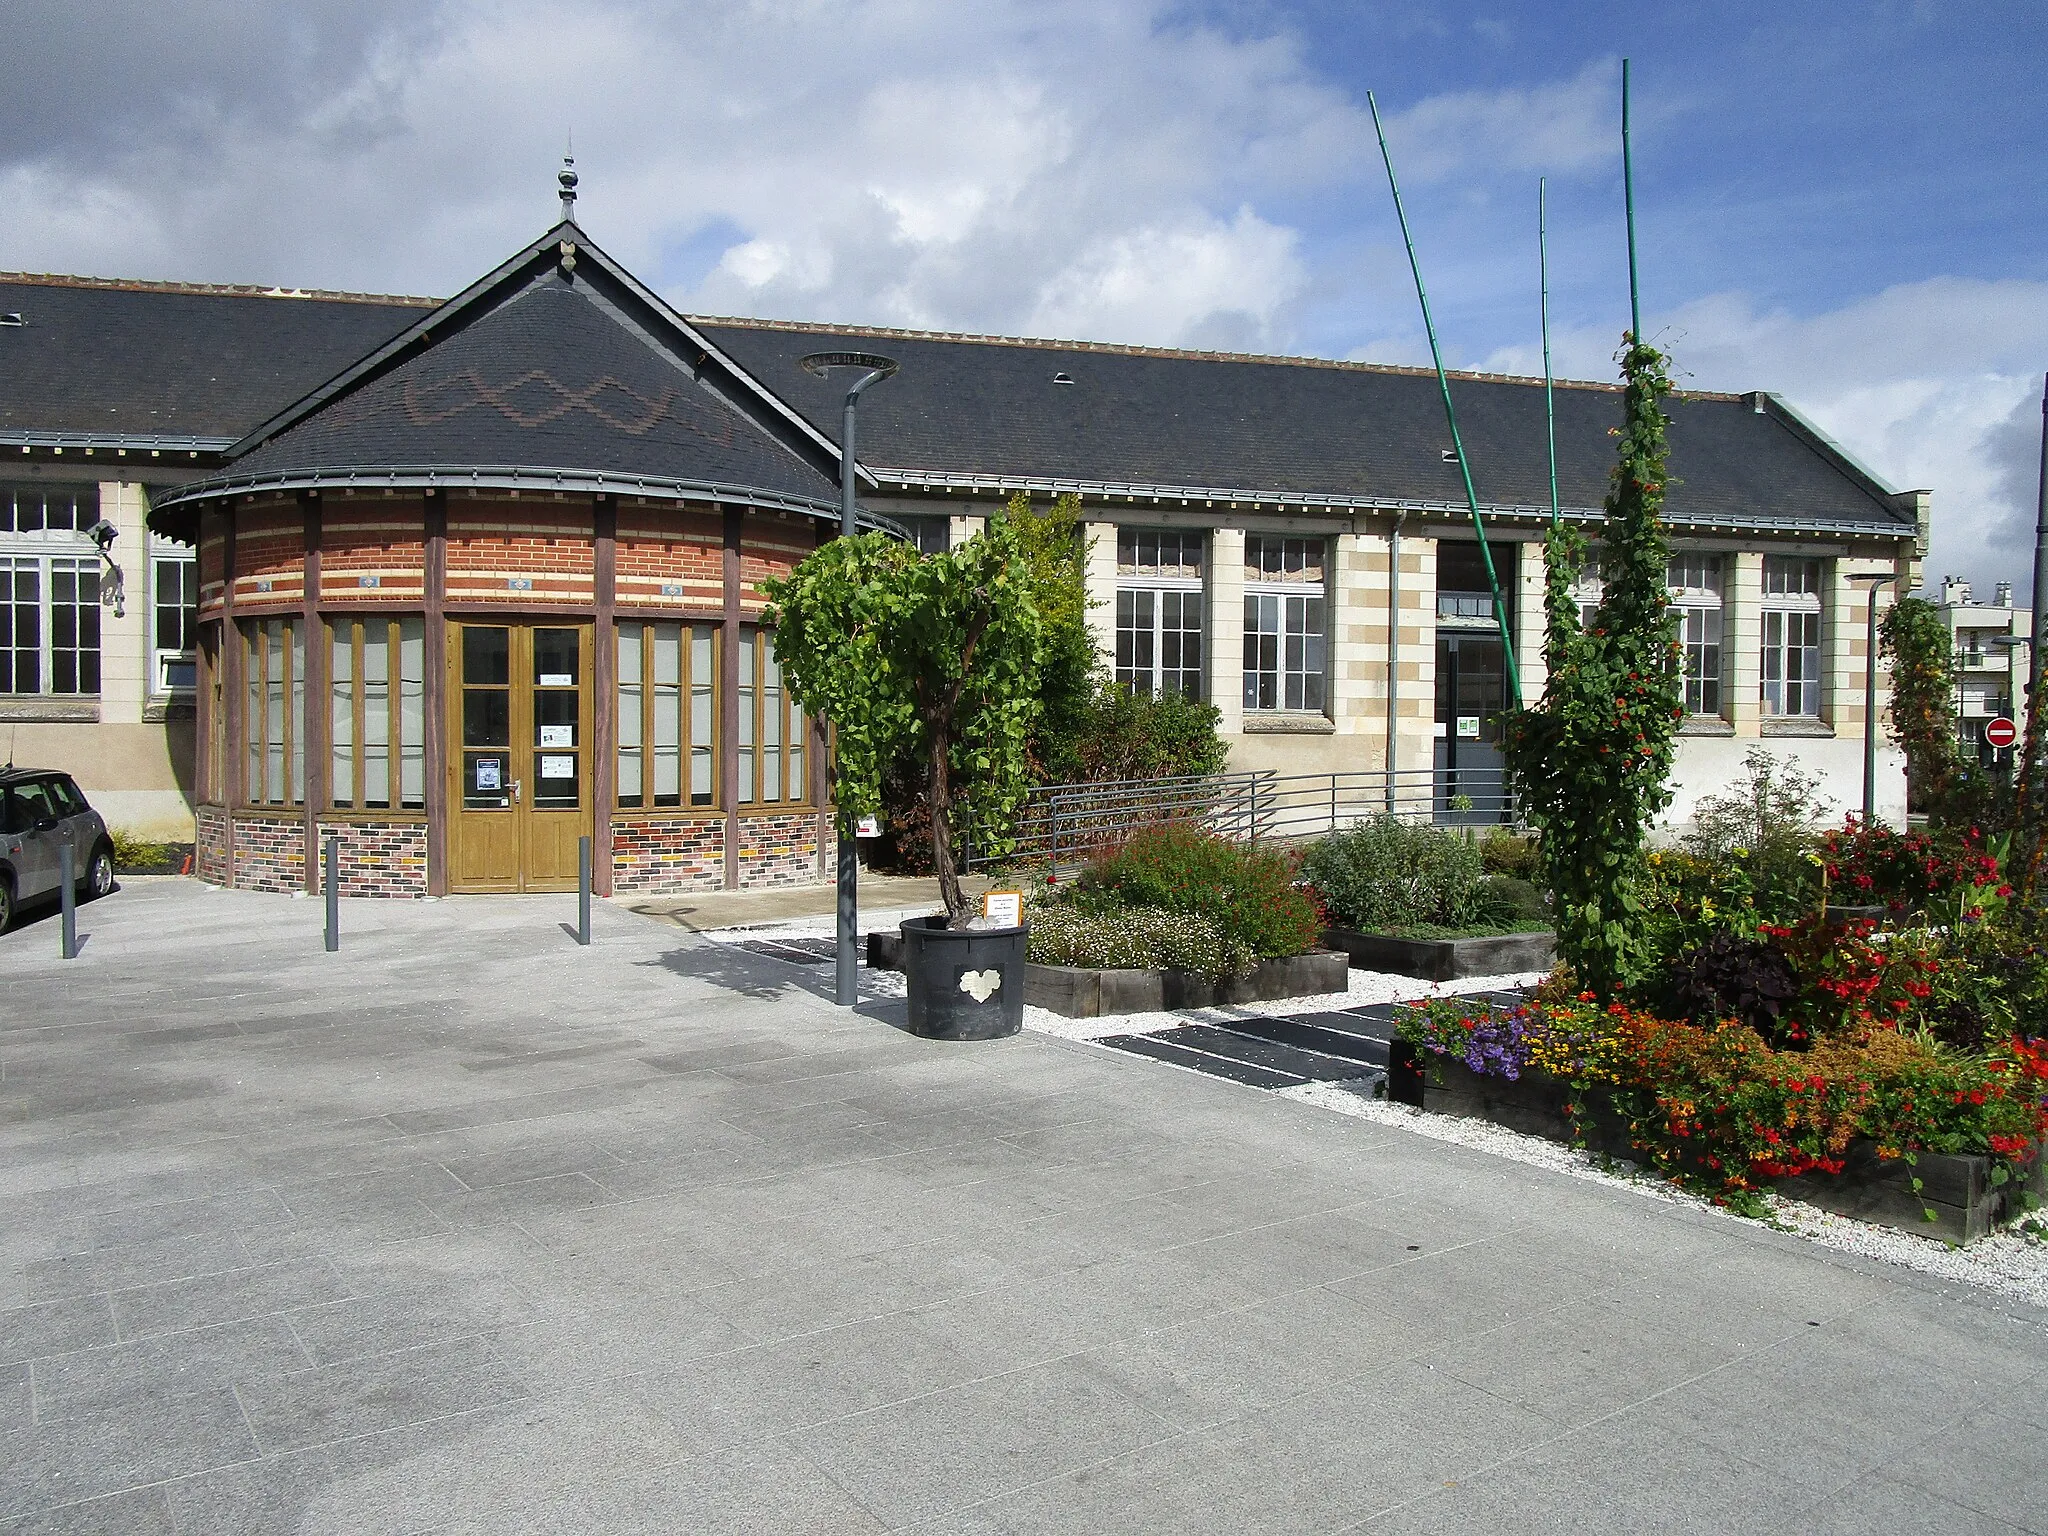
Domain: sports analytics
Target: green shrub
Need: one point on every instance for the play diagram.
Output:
(132, 852)
(1388, 873)
(1513, 854)
(1247, 892)
(1769, 818)
(1109, 936)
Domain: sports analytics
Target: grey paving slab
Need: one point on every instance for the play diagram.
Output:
(468, 1229)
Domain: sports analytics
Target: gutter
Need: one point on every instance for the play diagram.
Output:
(155, 444)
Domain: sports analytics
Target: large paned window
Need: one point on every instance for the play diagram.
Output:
(1791, 630)
(668, 713)
(377, 714)
(174, 622)
(1285, 612)
(773, 731)
(274, 712)
(1695, 583)
(49, 590)
(1159, 612)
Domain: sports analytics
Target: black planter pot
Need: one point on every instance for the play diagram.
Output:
(963, 984)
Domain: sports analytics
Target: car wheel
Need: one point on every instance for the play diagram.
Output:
(6, 903)
(99, 874)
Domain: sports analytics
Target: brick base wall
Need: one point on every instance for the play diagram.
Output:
(210, 844)
(270, 853)
(378, 858)
(662, 856)
(779, 850)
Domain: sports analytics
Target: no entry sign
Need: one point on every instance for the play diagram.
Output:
(2001, 732)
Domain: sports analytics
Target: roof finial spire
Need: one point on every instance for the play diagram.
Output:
(567, 177)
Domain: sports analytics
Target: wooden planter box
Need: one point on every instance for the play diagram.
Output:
(1956, 1201)
(1080, 993)
(1446, 959)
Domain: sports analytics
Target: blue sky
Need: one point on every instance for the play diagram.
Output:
(1841, 202)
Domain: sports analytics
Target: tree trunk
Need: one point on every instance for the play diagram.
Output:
(940, 797)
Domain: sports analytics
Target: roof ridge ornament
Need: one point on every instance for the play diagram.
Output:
(567, 178)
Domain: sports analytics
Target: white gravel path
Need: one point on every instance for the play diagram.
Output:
(2006, 1262)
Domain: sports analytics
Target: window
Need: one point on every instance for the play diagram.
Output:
(58, 509)
(1159, 612)
(49, 590)
(274, 705)
(1284, 612)
(174, 623)
(668, 711)
(1695, 583)
(1791, 628)
(773, 731)
(932, 535)
(377, 714)
(50, 625)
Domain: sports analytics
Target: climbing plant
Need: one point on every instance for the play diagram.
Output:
(934, 655)
(1915, 641)
(1592, 759)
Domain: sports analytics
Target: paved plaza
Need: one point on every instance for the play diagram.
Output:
(469, 1229)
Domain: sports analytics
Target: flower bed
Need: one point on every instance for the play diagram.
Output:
(1500, 954)
(1868, 1120)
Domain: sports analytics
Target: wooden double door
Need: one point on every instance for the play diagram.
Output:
(520, 768)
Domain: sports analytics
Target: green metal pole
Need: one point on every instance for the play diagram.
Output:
(1500, 609)
(1543, 272)
(1628, 198)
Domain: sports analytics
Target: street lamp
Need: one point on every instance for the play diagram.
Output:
(1875, 579)
(871, 368)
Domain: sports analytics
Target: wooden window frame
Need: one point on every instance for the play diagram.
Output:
(796, 730)
(256, 683)
(358, 627)
(687, 682)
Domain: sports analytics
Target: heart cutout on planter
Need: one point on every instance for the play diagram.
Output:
(981, 985)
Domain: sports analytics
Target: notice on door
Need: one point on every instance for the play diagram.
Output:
(488, 774)
(558, 736)
(552, 767)
(558, 680)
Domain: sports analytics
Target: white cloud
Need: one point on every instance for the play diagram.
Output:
(1559, 127)
(1935, 385)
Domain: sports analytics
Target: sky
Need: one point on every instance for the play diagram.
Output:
(1837, 200)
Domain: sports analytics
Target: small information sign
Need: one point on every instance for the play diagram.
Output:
(1468, 727)
(558, 735)
(1005, 907)
(487, 774)
(868, 826)
(557, 767)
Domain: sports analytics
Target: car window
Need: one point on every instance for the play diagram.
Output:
(13, 813)
(65, 796)
(27, 805)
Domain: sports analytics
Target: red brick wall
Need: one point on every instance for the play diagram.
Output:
(493, 544)
(377, 858)
(210, 844)
(212, 576)
(779, 849)
(659, 856)
(373, 550)
(270, 557)
(670, 558)
(771, 546)
(270, 853)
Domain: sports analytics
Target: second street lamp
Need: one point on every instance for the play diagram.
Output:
(870, 368)
(1874, 580)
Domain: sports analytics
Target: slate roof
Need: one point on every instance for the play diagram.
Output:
(107, 360)
(558, 370)
(989, 409)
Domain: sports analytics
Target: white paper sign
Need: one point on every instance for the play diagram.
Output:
(1005, 907)
(487, 773)
(557, 767)
(558, 680)
(867, 826)
(558, 735)
(1468, 727)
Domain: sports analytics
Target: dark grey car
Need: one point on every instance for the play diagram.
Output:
(41, 813)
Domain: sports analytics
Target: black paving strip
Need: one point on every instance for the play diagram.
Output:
(791, 951)
(1256, 1051)
(1215, 1066)
(1324, 1034)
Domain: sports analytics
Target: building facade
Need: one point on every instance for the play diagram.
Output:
(1991, 661)
(457, 584)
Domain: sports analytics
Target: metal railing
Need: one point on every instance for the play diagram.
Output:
(1063, 825)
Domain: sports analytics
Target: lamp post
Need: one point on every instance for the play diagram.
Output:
(1875, 579)
(871, 368)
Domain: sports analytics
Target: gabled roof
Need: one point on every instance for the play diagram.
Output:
(129, 364)
(1001, 413)
(557, 370)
